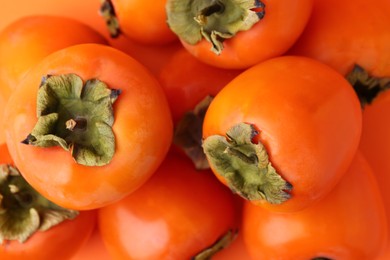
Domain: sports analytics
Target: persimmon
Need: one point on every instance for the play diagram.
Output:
(237, 34)
(339, 35)
(348, 223)
(95, 126)
(138, 20)
(179, 213)
(283, 132)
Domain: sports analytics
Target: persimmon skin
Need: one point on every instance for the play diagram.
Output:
(335, 228)
(177, 214)
(187, 81)
(144, 22)
(271, 37)
(94, 248)
(375, 143)
(153, 57)
(308, 118)
(86, 11)
(142, 127)
(60, 242)
(344, 33)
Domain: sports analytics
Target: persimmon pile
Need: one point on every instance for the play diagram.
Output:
(204, 129)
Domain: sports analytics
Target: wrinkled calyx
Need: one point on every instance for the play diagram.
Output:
(77, 117)
(366, 86)
(245, 165)
(23, 211)
(213, 20)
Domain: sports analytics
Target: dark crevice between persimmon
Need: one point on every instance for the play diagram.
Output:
(23, 211)
(212, 20)
(107, 12)
(77, 116)
(219, 245)
(366, 86)
(188, 134)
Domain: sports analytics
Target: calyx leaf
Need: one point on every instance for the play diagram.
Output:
(245, 165)
(77, 117)
(213, 20)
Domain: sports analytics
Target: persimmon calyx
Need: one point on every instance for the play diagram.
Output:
(77, 117)
(245, 165)
(213, 20)
(366, 86)
(23, 211)
(188, 134)
(107, 12)
(219, 245)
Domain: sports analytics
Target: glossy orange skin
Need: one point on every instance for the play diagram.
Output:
(94, 248)
(385, 254)
(375, 143)
(60, 242)
(154, 57)
(25, 42)
(5, 157)
(142, 128)
(342, 33)
(85, 11)
(349, 223)
(187, 81)
(144, 21)
(175, 215)
(308, 118)
(272, 36)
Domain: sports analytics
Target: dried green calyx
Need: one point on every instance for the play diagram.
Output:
(219, 245)
(188, 134)
(213, 20)
(23, 211)
(245, 165)
(107, 12)
(77, 117)
(366, 86)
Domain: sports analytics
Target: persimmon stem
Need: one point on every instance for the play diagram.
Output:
(223, 242)
(76, 124)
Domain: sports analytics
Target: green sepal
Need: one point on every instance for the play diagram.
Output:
(245, 165)
(77, 117)
(213, 20)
